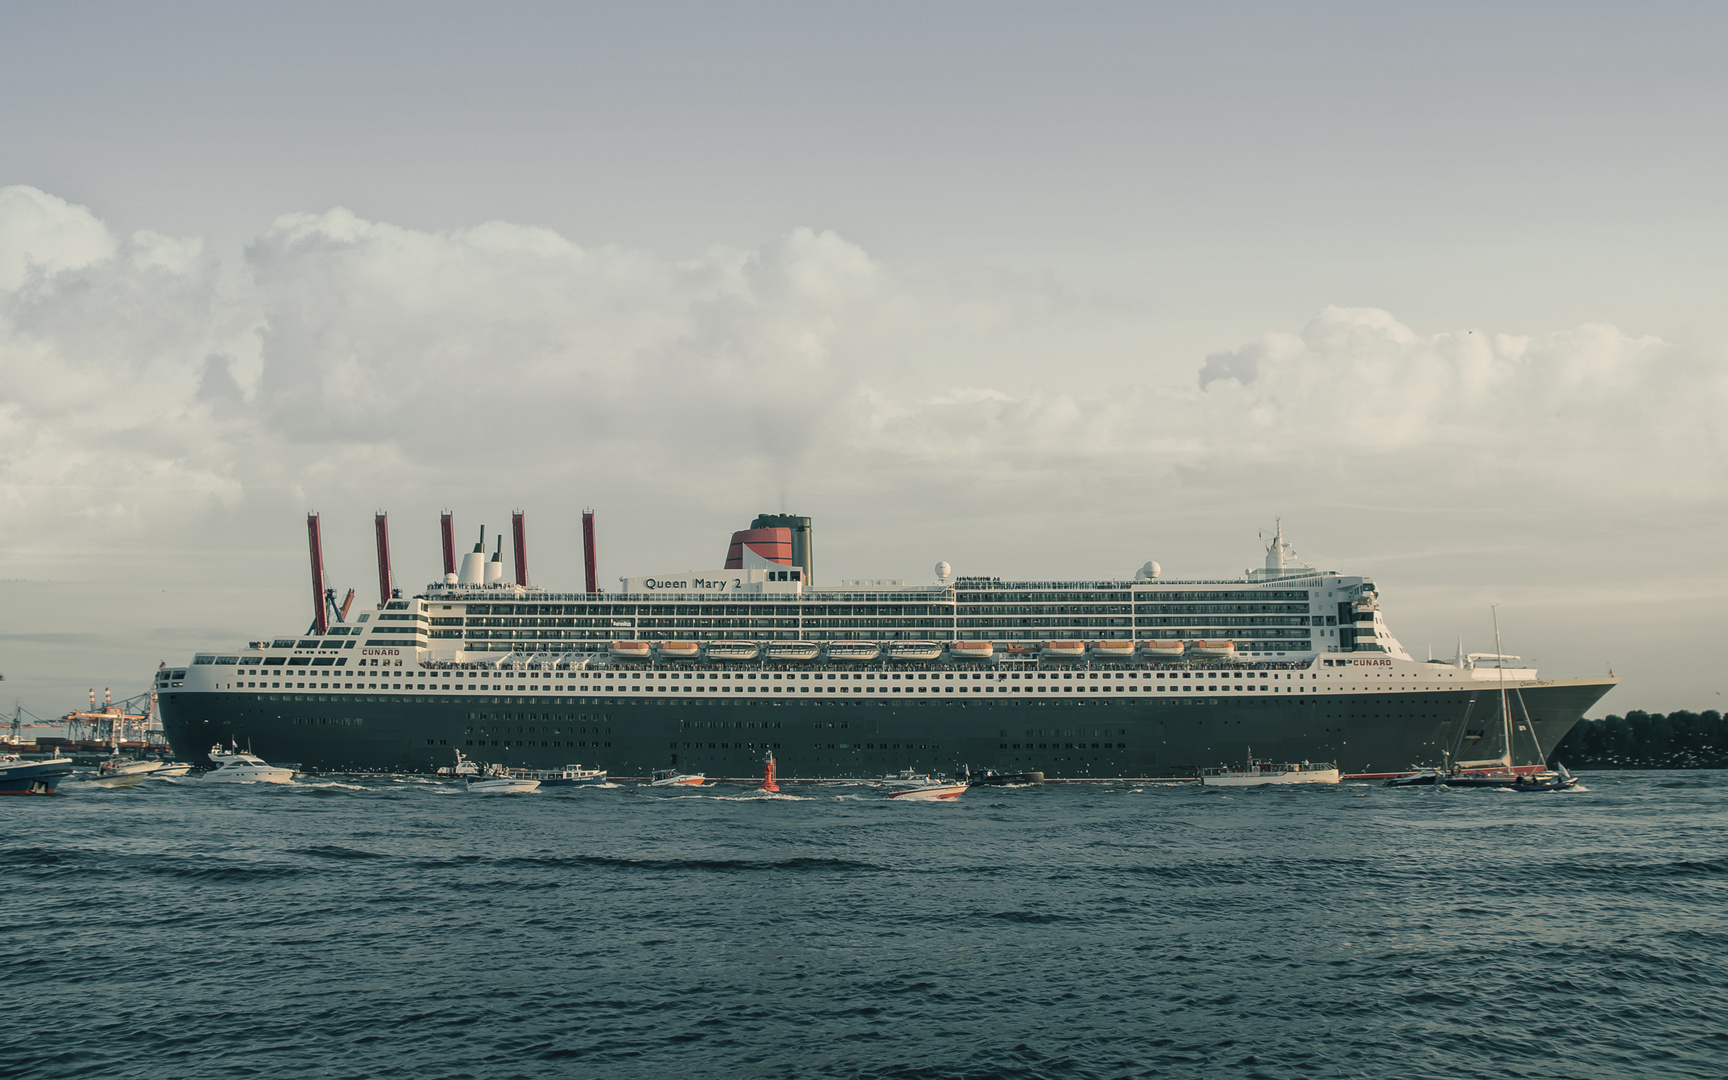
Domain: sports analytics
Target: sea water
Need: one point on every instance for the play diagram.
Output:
(402, 927)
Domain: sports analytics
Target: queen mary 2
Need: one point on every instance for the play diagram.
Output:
(703, 671)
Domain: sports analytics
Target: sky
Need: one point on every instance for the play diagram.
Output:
(1042, 291)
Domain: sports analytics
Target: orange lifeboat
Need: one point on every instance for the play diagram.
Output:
(1213, 650)
(971, 650)
(1163, 650)
(1065, 650)
(631, 650)
(1113, 650)
(679, 650)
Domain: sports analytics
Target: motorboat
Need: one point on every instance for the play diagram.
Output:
(241, 768)
(792, 650)
(118, 772)
(1113, 650)
(20, 777)
(733, 650)
(631, 650)
(679, 650)
(463, 767)
(971, 650)
(571, 776)
(673, 778)
(1213, 650)
(906, 778)
(1163, 650)
(170, 770)
(1258, 773)
(992, 778)
(914, 650)
(931, 793)
(853, 650)
(495, 779)
(1064, 650)
(1416, 778)
(501, 785)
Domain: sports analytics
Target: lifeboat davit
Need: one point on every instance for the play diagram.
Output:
(631, 650)
(914, 650)
(679, 650)
(1163, 650)
(1065, 650)
(733, 650)
(971, 650)
(1213, 650)
(1113, 650)
(853, 650)
(792, 650)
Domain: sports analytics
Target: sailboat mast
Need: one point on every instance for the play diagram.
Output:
(1500, 662)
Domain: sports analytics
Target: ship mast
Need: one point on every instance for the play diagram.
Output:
(1500, 663)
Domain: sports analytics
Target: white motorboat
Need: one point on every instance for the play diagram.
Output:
(235, 767)
(116, 772)
(501, 785)
(172, 769)
(906, 778)
(931, 792)
(1255, 773)
(669, 778)
(463, 767)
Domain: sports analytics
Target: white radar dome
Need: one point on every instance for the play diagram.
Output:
(1148, 572)
(943, 570)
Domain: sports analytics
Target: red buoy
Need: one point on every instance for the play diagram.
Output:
(767, 783)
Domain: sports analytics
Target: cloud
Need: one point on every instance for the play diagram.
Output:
(41, 235)
(149, 384)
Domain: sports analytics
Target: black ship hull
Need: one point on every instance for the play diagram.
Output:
(1102, 737)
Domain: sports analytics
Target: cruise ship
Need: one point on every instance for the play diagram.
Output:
(705, 671)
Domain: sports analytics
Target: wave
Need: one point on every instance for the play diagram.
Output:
(333, 851)
(799, 863)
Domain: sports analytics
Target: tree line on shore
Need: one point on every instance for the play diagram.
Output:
(1642, 740)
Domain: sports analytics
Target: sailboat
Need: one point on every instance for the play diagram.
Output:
(1498, 772)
